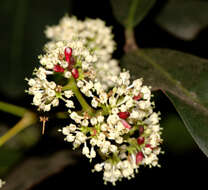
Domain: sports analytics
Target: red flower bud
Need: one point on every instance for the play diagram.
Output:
(72, 60)
(139, 157)
(141, 129)
(68, 53)
(138, 97)
(58, 69)
(140, 140)
(71, 63)
(148, 146)
(124, 115)
(75, 73)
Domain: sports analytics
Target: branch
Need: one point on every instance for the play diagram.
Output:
(12, 109)
(28, 119)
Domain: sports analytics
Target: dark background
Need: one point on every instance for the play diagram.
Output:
(22, 38)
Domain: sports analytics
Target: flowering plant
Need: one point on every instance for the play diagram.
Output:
(116, 119)
(108, 104)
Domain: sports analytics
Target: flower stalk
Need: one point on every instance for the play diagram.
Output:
(85, 106)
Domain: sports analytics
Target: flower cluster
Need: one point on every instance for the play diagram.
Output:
(118, 124)
(61, 62)
(96, 36)
(124, 131)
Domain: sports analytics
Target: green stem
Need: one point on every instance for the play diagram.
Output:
(12, 109)
(28, 119)
(73, 86)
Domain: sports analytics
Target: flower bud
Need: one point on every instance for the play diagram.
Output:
(68, 53)
(58, 69)
(124, 115)
(75, 73)
(139, 157)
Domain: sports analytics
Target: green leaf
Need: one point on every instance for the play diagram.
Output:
(131, 12)
(183, 78)
(173, 127)
(184, 18)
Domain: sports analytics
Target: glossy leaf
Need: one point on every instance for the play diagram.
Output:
(184, 18)
(131, 12)
(183, 78)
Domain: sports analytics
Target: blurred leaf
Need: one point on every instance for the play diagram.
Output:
(8, 157)
(184, 18)
(35, 169)
(12, 66)
(14, 149)
(22, 38)
(131, 12)
(173, 128)
(26, 138)
(183, 78)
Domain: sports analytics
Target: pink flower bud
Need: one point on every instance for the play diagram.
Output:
(125, 124)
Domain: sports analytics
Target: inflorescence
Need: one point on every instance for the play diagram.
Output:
(95, 36)
(116, 120)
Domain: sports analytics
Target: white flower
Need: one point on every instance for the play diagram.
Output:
(94, 103)
(72, 127)
(92, 153)
(76, 117)
(93, 121)
(146, 92)
(100, 118)
(103, 97)
(69, 104)
(112, 119)
(98, 167)
(107, 166)
(85, 122)
(2, 183)
(66, 130)
(113, 148)
(68, 93)
(85, 151)
(104, 127)
(147, 150)
(70, 138)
